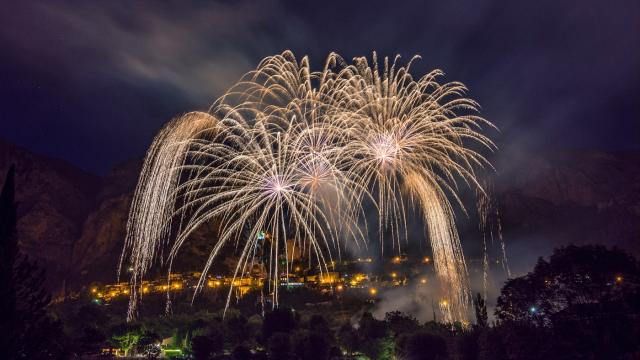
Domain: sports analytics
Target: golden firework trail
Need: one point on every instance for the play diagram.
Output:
(297, 153)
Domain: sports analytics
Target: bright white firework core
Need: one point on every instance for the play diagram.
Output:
(385, 148)
(276, 186)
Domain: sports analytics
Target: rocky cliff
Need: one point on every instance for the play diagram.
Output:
(54, 199)
(74, 222)
(570, 197)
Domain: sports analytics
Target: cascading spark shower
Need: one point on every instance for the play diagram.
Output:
(298, 154)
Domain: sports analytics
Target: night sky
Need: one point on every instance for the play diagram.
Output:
(92, 83)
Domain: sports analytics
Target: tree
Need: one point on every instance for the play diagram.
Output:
(382, 348)
(125, 336)
(371, 328)
(401, 323)
(583, 302)
(241, 352)
(280, 320)
(201, 347)
(148, 344)
(421, 346)
(348, 338)
(574, 275)
(480, 308)
(311, 345)
(216, 335)
(207, 342)
(279, 346)
(91, 340)
(27, 330)
(319, 324)
(238, 328)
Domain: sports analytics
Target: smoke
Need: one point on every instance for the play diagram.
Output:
(422, 301)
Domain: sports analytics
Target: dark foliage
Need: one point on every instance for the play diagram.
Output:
(27, 330)
(371, 328)
(348, 338)
(584, 303)
(421, 346)
(480, 307)
(574, 276)
(311, 345)
(204, 347)
(241, 352)
(282, 320)
(279, 347)
(400, 323)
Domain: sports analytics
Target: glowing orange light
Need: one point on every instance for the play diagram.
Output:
(423, 281)
(373, 291)
(145, 289)
(94, 290)
(396, 260)
(339, 287)
(619, 279)
(426, 260)
(394, 275)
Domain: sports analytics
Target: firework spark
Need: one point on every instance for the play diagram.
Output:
(297, 153)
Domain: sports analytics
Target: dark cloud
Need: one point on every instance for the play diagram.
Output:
(81, 77)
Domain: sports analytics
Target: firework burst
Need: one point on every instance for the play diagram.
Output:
(297, 153)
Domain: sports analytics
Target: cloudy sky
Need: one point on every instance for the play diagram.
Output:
(91, 82)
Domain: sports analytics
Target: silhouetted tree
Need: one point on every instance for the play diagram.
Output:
(574, 275)
(348, 338)
(91, 339)
(280, 320)
(401, 323)
(480, 308)
(238, 329)
(241, 352)
(279, 347)
(27, 330)
(371, 328)
(421, 346)
(319, 324)
(582, 303)
(202, 348)
(311, 345)
(522, 340)
(467, 343)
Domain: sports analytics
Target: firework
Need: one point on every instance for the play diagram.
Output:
(410, 138)
(297, 153)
